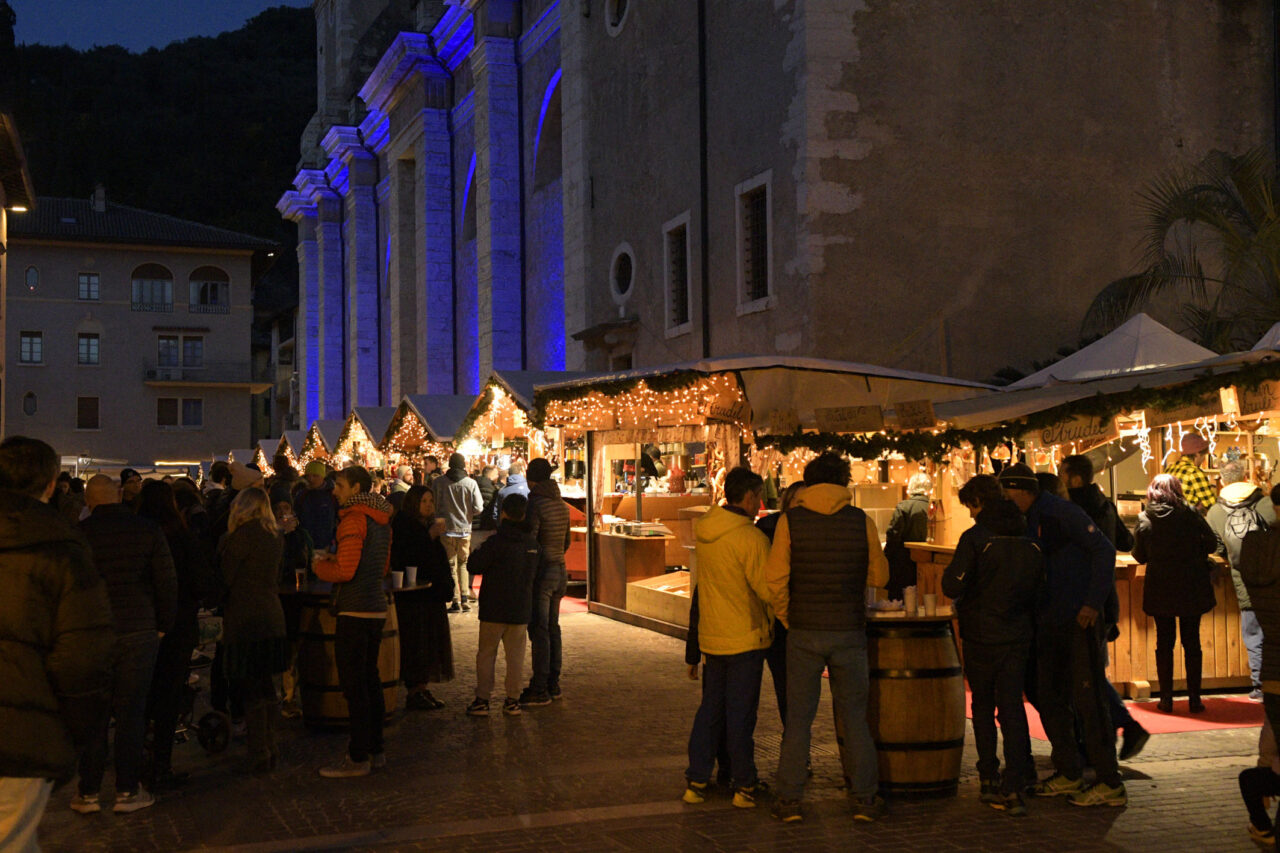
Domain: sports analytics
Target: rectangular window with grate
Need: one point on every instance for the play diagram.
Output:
(167, 412)
(31, 348)
(87, 413)
(87, 349)
(88, 287)
(677, 268)
(755, 243)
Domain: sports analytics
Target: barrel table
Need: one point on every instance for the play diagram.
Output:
(323, 704)
(916, 703)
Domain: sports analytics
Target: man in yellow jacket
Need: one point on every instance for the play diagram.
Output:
(735, 629)
(825, 554)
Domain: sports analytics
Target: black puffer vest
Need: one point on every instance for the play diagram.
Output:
(828, 569)
(364, 593)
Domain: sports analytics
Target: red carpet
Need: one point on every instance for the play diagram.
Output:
(1222, 712)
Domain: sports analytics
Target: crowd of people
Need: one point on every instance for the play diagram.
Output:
(108, 580)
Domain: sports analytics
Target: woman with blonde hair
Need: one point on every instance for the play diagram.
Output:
(253, 626)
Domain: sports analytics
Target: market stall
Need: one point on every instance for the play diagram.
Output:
(424, 425)
(361, 433)
(290, 445)
(321, 441)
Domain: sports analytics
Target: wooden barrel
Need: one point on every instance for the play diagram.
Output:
(322, 701)
(916, 705)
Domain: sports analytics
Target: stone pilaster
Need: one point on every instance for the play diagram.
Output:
(574, 178)
(435, 241)
(330, 320)
(306, 345)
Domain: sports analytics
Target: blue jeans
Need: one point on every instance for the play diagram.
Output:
(132, 666)
(1252, 633)
(730, 699)
(844, 654)
(544, 627)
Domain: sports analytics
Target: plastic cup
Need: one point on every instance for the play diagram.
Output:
(930, 604)
(909, 599)
(397, 580)
(410, 575)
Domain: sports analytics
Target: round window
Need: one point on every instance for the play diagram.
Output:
(622, 273)
(615, 15)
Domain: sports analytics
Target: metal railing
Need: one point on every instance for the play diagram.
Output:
(210, 371)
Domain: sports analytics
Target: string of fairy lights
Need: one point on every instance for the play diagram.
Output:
(717, 396)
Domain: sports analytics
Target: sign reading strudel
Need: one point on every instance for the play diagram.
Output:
(1083, 431)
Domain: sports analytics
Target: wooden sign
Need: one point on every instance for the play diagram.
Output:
(915, 414)
(850, 419)
(1083, 431)
(729, 410)
(1264, 398)
(784, 422)
(1211, 407)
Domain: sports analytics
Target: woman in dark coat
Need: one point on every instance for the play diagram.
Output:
(195, 581)
(426, 647)
(1175, 543)
(253, 627)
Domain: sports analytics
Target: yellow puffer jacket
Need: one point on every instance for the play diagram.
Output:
(734, 614)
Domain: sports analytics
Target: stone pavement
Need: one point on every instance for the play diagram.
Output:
(602, 770)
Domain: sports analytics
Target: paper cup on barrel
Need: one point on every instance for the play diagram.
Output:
(909, 599)
(410, 575)
(397, 580)
(930, 604)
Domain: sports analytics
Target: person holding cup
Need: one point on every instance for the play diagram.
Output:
(426, 646)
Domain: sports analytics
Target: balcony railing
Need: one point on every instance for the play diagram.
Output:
(197, 308)
(239, 372)
(158, 307)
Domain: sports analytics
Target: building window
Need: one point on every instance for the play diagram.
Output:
(180, 351)
(86, 413)
(676, 264)
(152, 288)
(87, 349)
(755, 278)
(169, 352)
(31, 348)
(33, 279)
(210, 291)
(185, 412)
(88, 289)
(192, 351)
(29, 403)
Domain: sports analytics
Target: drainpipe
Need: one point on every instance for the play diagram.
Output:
(704, 218)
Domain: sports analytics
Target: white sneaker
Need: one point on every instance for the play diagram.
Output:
(346, 769)
(133, 802)
(85, 803)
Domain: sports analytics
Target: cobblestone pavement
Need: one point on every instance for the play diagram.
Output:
(602, 770)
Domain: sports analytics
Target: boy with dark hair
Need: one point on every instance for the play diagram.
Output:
(507, 563)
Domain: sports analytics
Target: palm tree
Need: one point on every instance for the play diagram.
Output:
(1212, 247)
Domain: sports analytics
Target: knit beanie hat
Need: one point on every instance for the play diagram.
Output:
(457, 460)
(1021, 477)
(316, 468)
(244, 477)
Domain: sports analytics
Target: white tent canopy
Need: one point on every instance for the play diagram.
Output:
(1139, 344)
(1269, 341)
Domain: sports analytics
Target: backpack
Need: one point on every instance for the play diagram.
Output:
(1240, 522)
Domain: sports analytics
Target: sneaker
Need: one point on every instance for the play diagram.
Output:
(1058, 785)
(788, 811)
(990, 792)
(377, 759)
(346, 769)
(1135, 738)
(88, 804)
(466, 608)
(1256, 694)
(454, 608)
(696, 792)
(553, 690)
(1011, 804)
(422, 700)
(745, 798)
(533, 700)
(869, 808)
(1264, 838)
(511, 707)
(478, 708)
(139, 799)
(1100, 794)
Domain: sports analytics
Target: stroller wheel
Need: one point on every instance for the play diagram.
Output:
(214, 732)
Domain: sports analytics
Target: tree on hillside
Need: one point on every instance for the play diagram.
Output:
(1212, 248)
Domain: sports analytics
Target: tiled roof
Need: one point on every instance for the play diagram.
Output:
(75, 220)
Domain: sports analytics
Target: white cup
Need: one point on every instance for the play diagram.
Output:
(909, 599)
(920, 612)
(410, 575)
(930, 604)
(397, 580)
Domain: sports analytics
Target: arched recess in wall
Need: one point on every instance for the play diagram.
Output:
(469, 204)
(548, 137)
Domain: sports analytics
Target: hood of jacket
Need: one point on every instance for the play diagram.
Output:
(515, 480)
(826, 498)
(456, 475)
(372, 505)
(1003, 518)
(1089, 498)
(547, 488)
(25, 522)
(1240, 494)
(1160, 510)
(717, 523)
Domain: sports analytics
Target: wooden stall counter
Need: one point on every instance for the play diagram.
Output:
(1132, 667)
(665, 508)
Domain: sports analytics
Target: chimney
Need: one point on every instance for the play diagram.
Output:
(99, 199)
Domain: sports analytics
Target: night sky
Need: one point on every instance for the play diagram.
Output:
(134, 24)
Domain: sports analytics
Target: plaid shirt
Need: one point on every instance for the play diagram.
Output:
(1196, 487)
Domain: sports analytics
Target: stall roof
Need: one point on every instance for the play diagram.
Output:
(269, 447)
(1140, 343)
(521, 384)
(375, 420)
(441, 414)
(330, 433)
(244, 456)
(295, 438)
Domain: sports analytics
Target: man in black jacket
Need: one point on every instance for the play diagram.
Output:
(995, 579)
(133, 557)
(507, 563)
(548, 522)
(55, 640)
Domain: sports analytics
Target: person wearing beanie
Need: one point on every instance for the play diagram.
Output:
(1197, 488)
(547, 520)
(458, 502)
(316, 507)
(243, 477)
(1080, 566)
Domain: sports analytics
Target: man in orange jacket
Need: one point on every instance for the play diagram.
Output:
(356, 570)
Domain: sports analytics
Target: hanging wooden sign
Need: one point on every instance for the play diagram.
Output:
(850, 419)
(784, 421)
(1082, 431)
(915, 414)
(1264, 398)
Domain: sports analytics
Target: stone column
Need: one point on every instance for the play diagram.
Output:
(306, 344)
(575, 186)
(435, 331)
(497, 188)
(328, 204)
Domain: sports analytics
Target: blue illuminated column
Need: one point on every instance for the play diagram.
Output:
(497, 187)
(353, 173)
(306, 335)
(328, 205)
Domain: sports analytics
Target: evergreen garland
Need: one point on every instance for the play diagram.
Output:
(482, 405)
